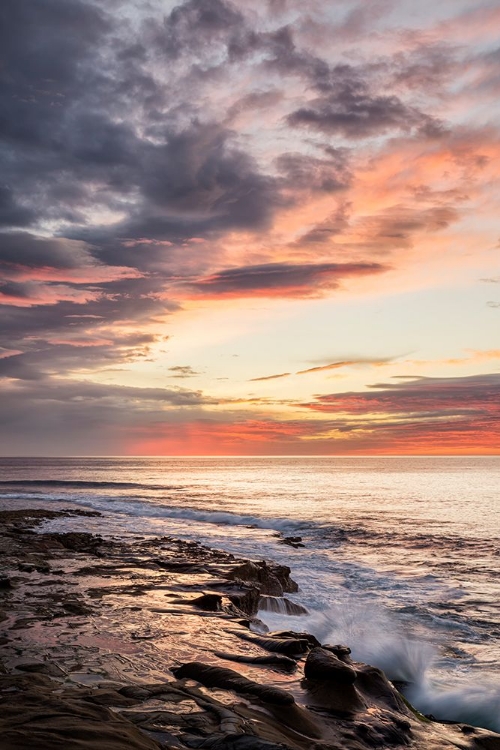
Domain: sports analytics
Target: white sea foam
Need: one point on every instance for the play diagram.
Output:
(376, 638)
(156, 510)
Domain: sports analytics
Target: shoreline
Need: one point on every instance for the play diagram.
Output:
(141, 633)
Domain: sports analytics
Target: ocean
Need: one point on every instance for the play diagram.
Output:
(400, 560)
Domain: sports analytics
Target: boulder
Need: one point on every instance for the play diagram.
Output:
(323, 665)
(208, 602)
(271, 579)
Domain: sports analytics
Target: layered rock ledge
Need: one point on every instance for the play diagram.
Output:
(141, 644)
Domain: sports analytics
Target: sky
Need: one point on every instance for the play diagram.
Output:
(232, 228)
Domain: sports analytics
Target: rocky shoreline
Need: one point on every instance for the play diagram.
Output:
(148, 643)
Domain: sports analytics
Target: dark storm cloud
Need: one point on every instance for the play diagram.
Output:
(281, 279)
(20, 251)
(354, 113)
(195, 27)
(113, 138)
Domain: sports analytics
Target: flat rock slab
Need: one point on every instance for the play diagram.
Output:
(36, 719)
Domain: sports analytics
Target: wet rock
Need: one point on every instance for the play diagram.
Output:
(387, 731)
(292, 541)
(330, 683)
(341, 652)
(273, 660)
(271, 579)
(311, 639)
(25, 567)
(339, 698)
(208, 602)
(281, 605)
(74, 607)
(375, 686)
(287, 646)
(37, 718)
(487, 742)
(323, 665)
(181, 566)
(41, 667)
(228, 679)
(244, 597)
(233, 742)
(76, 541)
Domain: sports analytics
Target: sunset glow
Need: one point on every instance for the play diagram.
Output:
(250, 229)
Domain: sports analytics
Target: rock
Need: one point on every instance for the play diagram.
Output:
(233, 742)
(292, 541)
(181, 566)
(42, 667)
(341, 652)
(287, 646)
(487, 742)
(243, 596)
(5, 583)
(375, 686)
(80, 541)
(36, 718)
(323, 665)
(208, 602)
(273, 660)
(270, 578)
(311, 639)
(74, 607)
(245, 599)
(228, 679)
(25, 567)
(281, 605)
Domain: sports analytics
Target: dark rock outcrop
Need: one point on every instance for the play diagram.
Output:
(281, 605)
(208, 602)
(271, 579)
(287, 646)
(272, 660)
(323, 665)
(228, 679)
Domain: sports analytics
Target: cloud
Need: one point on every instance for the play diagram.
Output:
(347, 363)
(331, 366)
(271, 377)
(83, 417)
(281, 279)
(427, 398)
(210, 150)
(182, 371)
(355, 114)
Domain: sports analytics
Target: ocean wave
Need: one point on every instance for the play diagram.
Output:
(81, 484)
(377, 638)
(218, 518)
(153, 510)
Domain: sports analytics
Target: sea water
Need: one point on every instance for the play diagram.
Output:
(401, 559)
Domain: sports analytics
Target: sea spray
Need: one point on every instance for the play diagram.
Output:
(376, 637)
